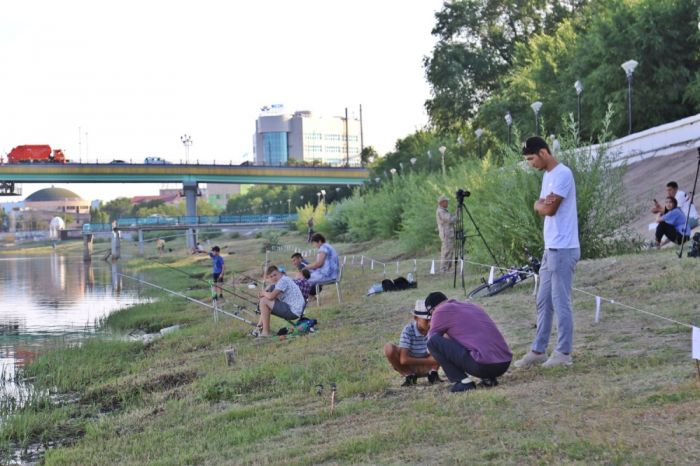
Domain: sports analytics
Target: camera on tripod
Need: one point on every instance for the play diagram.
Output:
(695, 247)
(461, 194)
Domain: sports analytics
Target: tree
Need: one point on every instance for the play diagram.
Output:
(475, 50)
(119, 207)
(368, 153)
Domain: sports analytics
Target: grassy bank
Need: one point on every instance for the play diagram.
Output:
(630, 398)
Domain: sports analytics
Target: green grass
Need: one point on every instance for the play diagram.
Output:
(630, 397)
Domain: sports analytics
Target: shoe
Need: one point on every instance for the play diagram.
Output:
(410, 380)
(530, 359)
(488, 383)
(433, 377)
(463, 386)
(558, 359)
(255, 332)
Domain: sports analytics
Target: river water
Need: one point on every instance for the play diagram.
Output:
(53, 299)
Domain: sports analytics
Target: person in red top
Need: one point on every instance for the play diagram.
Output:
(465, 341)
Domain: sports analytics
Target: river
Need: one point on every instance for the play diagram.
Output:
(52, 299)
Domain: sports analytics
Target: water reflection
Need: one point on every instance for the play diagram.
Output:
(55, 296)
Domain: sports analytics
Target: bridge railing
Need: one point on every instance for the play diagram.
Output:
(190, 220)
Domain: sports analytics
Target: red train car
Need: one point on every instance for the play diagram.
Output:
(36, 154)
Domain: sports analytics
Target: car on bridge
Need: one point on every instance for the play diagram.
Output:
(155, 161)
(117, 161)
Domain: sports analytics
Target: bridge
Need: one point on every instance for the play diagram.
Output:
(190, 175)
(184, 173)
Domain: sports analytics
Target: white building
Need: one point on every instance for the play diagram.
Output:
(281, 137)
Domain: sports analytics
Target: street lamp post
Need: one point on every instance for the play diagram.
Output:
(479, 132)
(536, 106)
(442, 150)
(629, 67)
(509, 122)
(578, 85)
(187, 142)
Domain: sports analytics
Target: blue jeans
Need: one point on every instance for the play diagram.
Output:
(554, 296)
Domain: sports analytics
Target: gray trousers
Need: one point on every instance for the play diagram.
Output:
(554, 296)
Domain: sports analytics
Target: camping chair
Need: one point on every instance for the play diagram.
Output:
(335, 282)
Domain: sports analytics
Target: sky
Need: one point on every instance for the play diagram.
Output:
(125, 80)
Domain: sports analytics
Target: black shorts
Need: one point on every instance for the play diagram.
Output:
(218, 277)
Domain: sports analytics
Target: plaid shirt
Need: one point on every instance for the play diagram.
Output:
(304, 287)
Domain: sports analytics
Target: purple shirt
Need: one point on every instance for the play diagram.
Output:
(471, 327)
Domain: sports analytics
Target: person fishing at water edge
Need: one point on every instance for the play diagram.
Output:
(217, 269)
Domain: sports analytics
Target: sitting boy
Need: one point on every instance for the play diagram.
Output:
(410, 358)
(284, 301)
(302, 282)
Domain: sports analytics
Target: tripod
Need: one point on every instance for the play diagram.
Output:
(460, 237)
(687, 215)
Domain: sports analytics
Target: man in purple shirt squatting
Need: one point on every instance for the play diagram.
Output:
(466, 342)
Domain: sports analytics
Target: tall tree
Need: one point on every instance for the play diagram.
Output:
(475, 48)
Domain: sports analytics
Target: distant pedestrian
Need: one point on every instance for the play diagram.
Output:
(310, 224)
(217, 269)
(160, 246)
(557, 204)
(446, 228)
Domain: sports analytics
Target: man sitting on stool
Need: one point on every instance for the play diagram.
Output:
(465, 341)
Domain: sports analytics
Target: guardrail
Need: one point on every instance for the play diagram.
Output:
(188, 220)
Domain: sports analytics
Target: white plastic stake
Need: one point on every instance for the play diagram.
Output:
(696, 343)
(362, 261)
(490, 282)
(432, 268)
(397, 268)
(371, 265)
(415, 266)
(384, 270)
(345, 259)
(597, 309)
(461, 266)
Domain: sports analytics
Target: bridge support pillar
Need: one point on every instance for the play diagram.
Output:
(116, 245)
(190, 189)
(141, 249)
(87, 247)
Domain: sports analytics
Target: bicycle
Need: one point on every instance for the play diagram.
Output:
(510, 278)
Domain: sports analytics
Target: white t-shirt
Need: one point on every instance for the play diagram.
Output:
(291, 294)
(685, 205)
(561, 229)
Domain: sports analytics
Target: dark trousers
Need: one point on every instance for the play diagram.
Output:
(457, 361)
(669, 230)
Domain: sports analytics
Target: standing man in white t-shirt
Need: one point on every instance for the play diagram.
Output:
(557, 204)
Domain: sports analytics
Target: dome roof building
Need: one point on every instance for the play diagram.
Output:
(51, 202)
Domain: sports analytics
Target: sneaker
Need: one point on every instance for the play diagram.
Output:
(433, 377)
(530, 359)
(463, 385)
(410, 380)
(558, 359)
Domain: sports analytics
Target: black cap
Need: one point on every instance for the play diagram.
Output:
(534, 144)
(433, 299)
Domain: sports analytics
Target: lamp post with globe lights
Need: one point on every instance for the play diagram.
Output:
(479, 132)
(442, 150)
(187, 142)
(578, 85)
(536, 106)
(509, 122)
(629, 67)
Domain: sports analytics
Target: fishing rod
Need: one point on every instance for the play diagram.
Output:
(201, 303)
(244, 298)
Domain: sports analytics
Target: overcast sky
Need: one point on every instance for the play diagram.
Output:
(134, 76)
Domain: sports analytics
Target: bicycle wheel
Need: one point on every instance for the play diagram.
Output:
(486, 290)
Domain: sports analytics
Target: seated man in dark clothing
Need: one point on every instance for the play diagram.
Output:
(465, 341)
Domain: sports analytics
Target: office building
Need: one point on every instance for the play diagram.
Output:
(283, 138)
